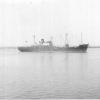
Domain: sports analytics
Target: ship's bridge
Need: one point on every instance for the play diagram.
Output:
(43, 42)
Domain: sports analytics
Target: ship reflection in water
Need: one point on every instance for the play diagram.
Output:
(49, 75)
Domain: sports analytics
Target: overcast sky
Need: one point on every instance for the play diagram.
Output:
(19, 19)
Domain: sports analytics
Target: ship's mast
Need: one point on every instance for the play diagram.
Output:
(66, 39)
(34, 38)
(51, 39)
(81, 38)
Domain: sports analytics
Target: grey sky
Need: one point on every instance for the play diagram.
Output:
(19, 19)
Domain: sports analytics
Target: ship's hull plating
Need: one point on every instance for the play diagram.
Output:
(80, 48)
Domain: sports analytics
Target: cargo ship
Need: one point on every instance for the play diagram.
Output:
(47, 46)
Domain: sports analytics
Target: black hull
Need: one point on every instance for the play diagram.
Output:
(80, 48)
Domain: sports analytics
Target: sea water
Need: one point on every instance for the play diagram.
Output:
(49, 75)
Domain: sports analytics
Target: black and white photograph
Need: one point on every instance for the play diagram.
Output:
(49, 49)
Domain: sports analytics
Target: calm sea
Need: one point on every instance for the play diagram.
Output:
(49, 75)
